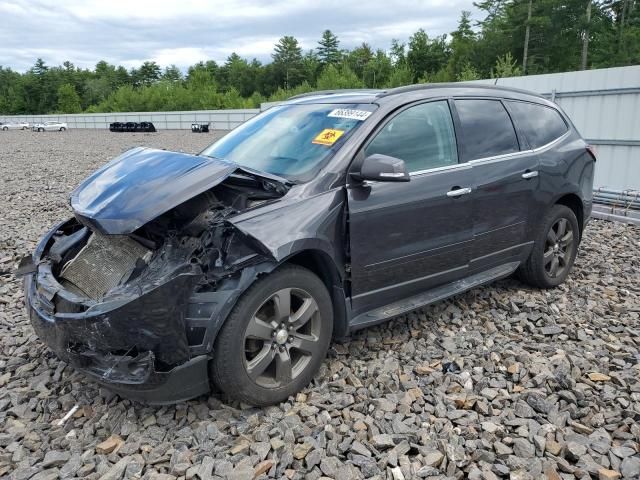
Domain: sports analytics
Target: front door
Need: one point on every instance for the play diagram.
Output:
(408, 237)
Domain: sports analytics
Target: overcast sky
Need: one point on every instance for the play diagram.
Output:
(183, 32)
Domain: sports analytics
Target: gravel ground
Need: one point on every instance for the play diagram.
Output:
(501, 382)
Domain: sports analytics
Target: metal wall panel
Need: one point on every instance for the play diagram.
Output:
(222, 119)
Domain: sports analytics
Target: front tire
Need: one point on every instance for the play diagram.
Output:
(62, 129)
(554, 250)
(5, 129)
(41, 129)
(275, 339)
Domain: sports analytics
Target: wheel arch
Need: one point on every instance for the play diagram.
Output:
(322, 265)
(574, 202)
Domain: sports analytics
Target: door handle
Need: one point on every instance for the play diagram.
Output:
(528, 175)
(458, 192)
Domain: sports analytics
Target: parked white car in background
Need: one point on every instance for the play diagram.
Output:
(14, 126)
(49, 126)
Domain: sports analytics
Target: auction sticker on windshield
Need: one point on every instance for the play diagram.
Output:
(328, 136)
(349, 113)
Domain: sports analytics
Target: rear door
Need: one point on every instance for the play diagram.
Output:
(543, 126)
(506, 179)
(408, 237)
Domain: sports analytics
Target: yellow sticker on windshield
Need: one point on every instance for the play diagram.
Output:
(328, 136)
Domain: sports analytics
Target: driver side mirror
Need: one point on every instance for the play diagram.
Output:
(383, 168)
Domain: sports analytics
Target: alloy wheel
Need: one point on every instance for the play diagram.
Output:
(558, 248)
(282, 337)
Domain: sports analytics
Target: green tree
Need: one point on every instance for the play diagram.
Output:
(311, 66)
(171, 74)
(401, 75)
(68, 99)
(287, 62)
(462, 47)
(426, 56)
(506, 66)
(398, 52)
(148, 73)
(237, 73)
(467, 73)
(210, 68)
(328, 48)
(377, 70)
(417, 57)
(332, 78)
(358, 59)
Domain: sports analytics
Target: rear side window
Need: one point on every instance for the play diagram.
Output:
(486, 127)
(421, 135)
(540, 124)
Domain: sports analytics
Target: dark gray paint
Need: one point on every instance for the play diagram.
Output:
(383, 248)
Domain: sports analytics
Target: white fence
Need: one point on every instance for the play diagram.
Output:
(218, 119)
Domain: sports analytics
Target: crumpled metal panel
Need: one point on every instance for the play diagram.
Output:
(142, 184)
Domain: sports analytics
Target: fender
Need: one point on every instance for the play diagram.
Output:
(313, 223)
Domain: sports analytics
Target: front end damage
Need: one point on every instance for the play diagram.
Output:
(139, 310)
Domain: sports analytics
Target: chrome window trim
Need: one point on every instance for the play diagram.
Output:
(507, 156)
(561, 137)
(499, 158)
(444, 168)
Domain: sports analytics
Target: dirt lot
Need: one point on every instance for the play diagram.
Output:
(502, 382)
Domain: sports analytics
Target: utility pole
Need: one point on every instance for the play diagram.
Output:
(526, 40)
(585, 40)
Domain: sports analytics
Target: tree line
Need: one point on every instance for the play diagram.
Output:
(515, 37)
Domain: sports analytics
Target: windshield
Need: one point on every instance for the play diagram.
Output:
(291, 141)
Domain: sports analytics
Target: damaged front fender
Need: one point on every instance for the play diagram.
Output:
(295, 225)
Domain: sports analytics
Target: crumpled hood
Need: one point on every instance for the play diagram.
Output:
(142, 184)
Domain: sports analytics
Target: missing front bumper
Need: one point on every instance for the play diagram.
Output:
(101, 347)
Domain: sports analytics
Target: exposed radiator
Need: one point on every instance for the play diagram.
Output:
(104, 263)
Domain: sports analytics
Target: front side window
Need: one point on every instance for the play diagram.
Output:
(421, 135)
(291, 141)
(486, 129)
(540, 124)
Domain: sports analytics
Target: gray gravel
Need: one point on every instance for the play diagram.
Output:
(502, 382)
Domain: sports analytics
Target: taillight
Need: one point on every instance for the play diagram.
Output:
(592, 151)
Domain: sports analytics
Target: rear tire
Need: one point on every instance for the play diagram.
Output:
(554, 250)
(275, 339)
(62, 129)
(41, 129)
(5, 129)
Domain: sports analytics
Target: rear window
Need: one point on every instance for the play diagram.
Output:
(540, 125)
(486, 127)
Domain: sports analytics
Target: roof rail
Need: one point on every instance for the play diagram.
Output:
(429, 86)
(336, 91)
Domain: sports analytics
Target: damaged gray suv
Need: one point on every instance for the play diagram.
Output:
(328, 213)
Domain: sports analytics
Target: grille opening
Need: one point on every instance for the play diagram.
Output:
(64, 306)
(104, 263)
